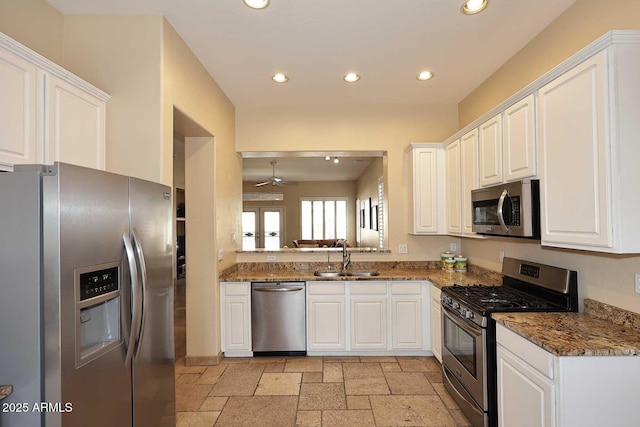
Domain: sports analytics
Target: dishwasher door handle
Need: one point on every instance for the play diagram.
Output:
(278, 289)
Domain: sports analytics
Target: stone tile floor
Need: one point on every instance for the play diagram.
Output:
(315, 391)
(311, 391)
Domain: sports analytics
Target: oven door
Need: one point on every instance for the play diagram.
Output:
(463, 355)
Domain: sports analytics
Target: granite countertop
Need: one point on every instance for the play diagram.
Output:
(429, 270)
(5, 391)
(602, 330)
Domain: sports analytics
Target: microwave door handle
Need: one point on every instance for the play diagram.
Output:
(503, 196)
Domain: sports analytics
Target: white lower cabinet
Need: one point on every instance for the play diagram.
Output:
(406, 315)
(235, 307)
(326, 326)
(383, 318)
(436, 322)
(537, 388)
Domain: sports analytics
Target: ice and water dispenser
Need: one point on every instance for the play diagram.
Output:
(98, 303)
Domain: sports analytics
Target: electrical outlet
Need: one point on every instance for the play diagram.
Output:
(271, 257)
(403, 249)
(220, 254)
(637, 283)
(454, 247)
(501, 256)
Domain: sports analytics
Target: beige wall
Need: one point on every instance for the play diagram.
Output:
(607, 278)
(579, 25)
(294, 191)
(342, 127)
(36, 24)
(122, 55)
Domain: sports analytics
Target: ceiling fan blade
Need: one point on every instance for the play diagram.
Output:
(260, 184)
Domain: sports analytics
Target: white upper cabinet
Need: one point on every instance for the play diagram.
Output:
(75, 125)
(47, 114)
(427, 190)
(468, 177)
(519, 140)
(452, 158)
(18, 102)
(490, 151)
(588, 130)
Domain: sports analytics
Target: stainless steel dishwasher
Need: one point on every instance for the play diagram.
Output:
(278, 318)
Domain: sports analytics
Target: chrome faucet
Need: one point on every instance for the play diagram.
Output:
(346, 256)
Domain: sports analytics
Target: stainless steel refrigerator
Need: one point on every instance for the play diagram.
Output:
(86, 299)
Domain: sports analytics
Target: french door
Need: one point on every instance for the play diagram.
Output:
(262, 228)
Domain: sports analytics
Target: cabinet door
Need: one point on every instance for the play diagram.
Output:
(425, 191)
(406, 315)
(326, 322)
(452, 157)
(490, 151)
(469, 177)
(369, 323)
(75, 125)
(574, 157)
(18, 99)
(520, 140)
(237, 323)
(526, 398)
(436, 323)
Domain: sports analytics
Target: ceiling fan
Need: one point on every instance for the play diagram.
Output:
(273, 179)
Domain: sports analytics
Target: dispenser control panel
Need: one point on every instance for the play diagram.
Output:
(96, 283)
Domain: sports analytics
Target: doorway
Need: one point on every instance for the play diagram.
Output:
(262, 228)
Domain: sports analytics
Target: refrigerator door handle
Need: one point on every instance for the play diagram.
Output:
(143, 274)
(135, 316)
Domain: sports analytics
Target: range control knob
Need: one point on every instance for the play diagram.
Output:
(456, 305)
(464, 312)
(469, 314)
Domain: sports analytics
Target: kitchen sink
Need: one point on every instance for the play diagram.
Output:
(354, 273)
(363, 273)
(327, 273)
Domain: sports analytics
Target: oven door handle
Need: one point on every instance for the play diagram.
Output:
(470, 403)
(462, 324)
(504, 226)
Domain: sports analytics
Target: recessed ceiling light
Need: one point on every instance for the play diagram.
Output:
(327, 157)
(424, 75)
(257, 4)
(336, 160)
(471, 7)
(280, 78)
(351, 77)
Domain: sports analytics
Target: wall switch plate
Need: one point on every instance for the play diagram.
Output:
(501, 256)
(271, 257)
(454, 247)
(403, 249)
(637, 283)
(220, 254)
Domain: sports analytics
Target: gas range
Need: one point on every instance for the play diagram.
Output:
(468, 332)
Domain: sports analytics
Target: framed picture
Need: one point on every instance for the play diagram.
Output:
(367, 213)
(374, 217)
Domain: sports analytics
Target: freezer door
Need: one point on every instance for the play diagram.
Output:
(85, 215)
(154, 357)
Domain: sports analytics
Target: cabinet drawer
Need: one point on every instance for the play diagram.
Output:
(368, 288)
(236, 288)
(406, 288)
(528, 351)
(325, 288)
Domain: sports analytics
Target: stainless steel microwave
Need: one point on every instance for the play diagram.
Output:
(511, 209)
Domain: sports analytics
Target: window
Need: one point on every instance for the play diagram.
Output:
(323, 218)
(262, 228)
(380, 218)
